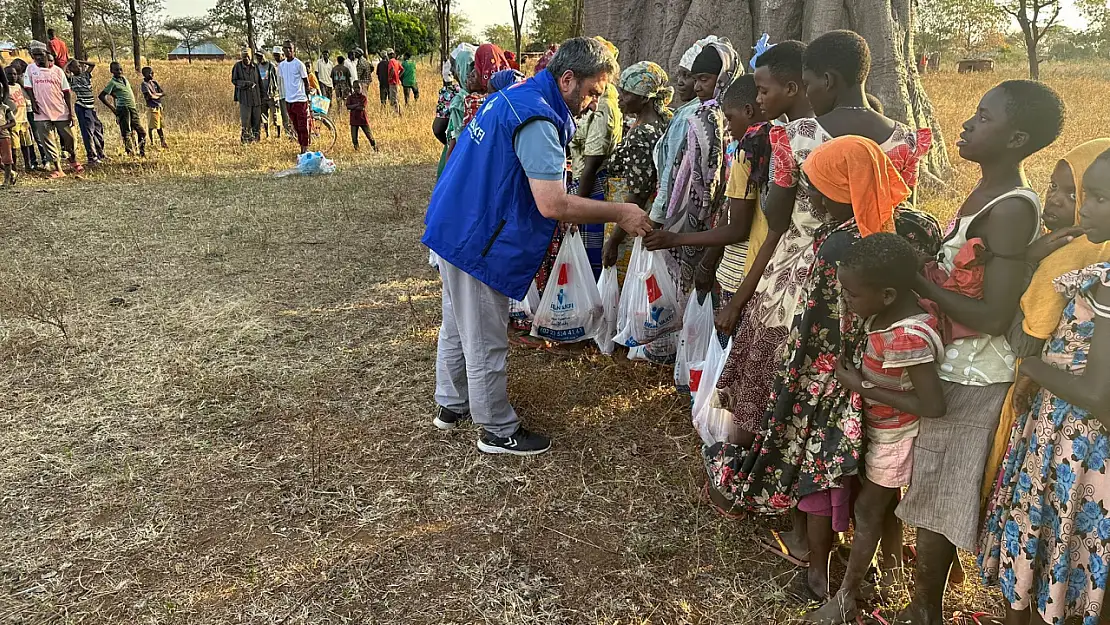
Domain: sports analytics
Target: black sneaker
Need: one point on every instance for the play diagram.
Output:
(520, 443)
(447, 420)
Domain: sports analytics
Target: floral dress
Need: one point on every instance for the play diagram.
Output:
(811, 437)
(632, 172)
(757, 349)
(1047, 535)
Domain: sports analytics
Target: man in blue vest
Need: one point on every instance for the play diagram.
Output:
(492, 215)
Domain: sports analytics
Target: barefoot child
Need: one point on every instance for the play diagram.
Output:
(1013, 121)
(92, 131)
(153, 94)
(123, 105)
(7, 124)
(898, 383)
(356, 105)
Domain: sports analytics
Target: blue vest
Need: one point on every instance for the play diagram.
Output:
(482, 217)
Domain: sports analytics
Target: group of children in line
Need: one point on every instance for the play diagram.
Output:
(874, 373)
(41, 100)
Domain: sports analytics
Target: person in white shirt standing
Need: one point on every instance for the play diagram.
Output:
(294, 84)
(323, 67)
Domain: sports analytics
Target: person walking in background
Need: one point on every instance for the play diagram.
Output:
(394, 76)
(408, 78)
(245, 76)
(323, 67)
(294, 80)
(92, 131)
(152, 94)
(58, 48)
(268, 92)
(383, 78)
(48, 89)
(123, 104)
(356, 105)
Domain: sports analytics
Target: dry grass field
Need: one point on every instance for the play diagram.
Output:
(217, 393)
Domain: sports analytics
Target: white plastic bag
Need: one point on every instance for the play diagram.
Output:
(649, 306)
(610, 293)
(433, 260)
(713, 424)
(693, 339)
(570, 309)
(661, 351)
(525, 310)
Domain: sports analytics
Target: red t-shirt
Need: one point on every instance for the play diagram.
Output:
(358, 118)
(394, 68)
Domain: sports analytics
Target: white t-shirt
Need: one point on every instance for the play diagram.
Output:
(323, 72)
(293, 74)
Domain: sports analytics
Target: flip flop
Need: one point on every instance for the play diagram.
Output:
(780, 549)
(874, 617)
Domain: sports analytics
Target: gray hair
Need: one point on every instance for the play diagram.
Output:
(585, 57)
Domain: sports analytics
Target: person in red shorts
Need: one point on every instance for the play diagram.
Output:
(294, 78)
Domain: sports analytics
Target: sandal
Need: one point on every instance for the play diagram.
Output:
(780, 549)
(976, 618)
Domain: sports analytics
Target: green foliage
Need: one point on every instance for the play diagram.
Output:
(554, 22)
(409, 33)
(500, 35)
(963, 26)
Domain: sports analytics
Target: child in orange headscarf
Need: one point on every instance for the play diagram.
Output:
(810, 442)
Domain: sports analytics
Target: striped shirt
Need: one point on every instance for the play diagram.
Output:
(888, 353)
(81, 85)
(730, 273)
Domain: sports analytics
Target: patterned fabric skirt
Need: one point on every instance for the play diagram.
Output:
(593, 235)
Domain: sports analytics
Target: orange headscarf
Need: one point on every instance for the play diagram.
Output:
(854, 170)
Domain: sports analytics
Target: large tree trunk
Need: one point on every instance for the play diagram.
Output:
(136, 49)
(38, 20)
(662, 30)
(389, 23)
(79, 30)
(249, 15)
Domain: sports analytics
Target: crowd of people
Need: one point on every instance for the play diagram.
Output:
(41, 102)
(883, 369)
(277, 93)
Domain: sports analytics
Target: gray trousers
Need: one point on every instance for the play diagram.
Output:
(45, 137)
(250, 122)
(473, 346)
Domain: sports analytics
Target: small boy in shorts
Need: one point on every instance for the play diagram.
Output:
(21, 133)
(152, 93)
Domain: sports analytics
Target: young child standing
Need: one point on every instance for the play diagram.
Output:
(356, 105)
(123, 105)
(7, 123)
(899, 385)
(92, 131)
(153, 94)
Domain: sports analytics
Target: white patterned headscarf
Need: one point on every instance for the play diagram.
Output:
(688, 57)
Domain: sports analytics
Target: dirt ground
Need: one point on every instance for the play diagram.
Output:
(235, 428)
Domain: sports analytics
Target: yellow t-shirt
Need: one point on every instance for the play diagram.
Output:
(736, 260)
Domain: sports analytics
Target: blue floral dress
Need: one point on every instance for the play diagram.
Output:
(1047, 534)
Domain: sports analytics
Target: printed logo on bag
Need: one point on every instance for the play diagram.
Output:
(563, 277)
(653, 290)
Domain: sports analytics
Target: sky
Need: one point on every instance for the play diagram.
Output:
(482, 13)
